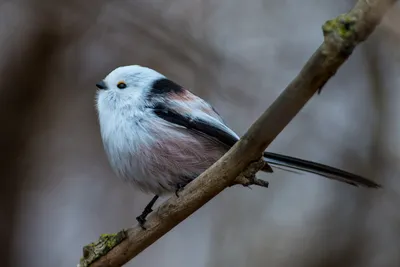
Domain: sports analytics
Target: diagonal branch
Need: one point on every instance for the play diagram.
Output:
(341, 36)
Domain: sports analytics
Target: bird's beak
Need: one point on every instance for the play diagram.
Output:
(101, 85)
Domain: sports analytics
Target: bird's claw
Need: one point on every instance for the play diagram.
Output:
(147, 210)
(179, 187)
(141, 220)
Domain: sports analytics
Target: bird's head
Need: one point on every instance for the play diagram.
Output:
(126, 85)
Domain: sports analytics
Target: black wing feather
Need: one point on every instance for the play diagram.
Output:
(195, 123)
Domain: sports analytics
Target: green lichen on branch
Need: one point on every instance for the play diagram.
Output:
(342, 26)
(95, 250)
(340, 35)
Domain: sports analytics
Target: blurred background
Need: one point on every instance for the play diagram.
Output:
(58, 192)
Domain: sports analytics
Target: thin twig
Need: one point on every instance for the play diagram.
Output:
(341, 36)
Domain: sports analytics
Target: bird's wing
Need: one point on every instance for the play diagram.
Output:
(183, 108)
(190, 111)
(200, 122)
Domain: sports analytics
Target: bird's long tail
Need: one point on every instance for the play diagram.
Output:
(290, 163)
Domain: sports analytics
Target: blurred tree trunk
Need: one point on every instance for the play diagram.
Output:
(23, 75)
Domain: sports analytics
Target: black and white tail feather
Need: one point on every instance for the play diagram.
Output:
(288, 163)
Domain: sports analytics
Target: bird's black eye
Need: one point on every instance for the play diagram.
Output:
(121, 85)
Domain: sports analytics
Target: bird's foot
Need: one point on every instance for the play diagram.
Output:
(147, 210)
(142, 217)
(248, 176)
(179, 187)
(141, 220)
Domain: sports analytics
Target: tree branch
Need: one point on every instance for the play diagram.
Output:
(341, 36)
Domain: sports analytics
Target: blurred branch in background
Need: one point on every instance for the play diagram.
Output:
(194, 52)
(23, 75)
(391, 21)
(32, 38)
(342, 35)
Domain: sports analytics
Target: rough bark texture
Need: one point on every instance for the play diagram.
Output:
(341, 36)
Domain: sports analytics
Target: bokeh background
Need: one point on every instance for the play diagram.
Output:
(58, 192)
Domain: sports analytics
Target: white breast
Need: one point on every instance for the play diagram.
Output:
(124, 131)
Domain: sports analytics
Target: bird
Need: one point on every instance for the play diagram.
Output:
(159, 136)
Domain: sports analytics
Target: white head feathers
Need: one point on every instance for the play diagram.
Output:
(126, 86)
(134, 76)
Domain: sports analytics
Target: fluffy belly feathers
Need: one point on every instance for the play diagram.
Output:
(161, 155)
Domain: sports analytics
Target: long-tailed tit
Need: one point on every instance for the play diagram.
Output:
(160, 136)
